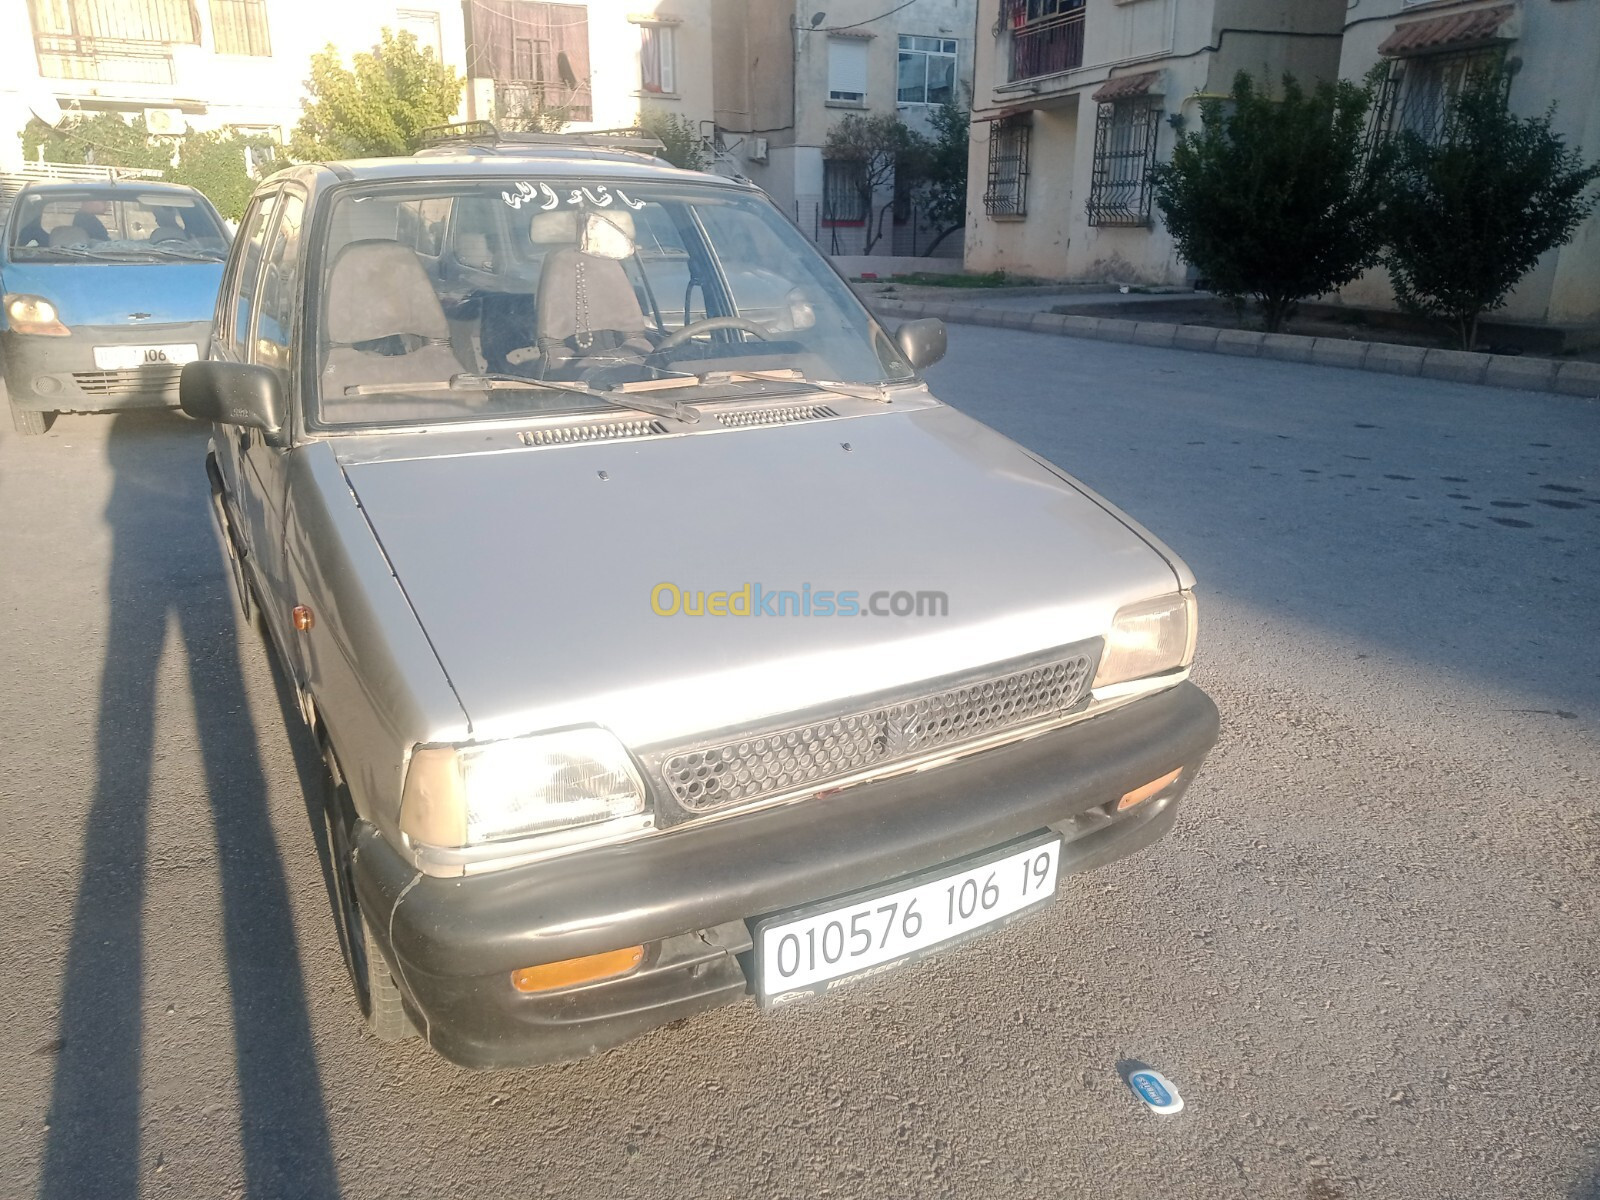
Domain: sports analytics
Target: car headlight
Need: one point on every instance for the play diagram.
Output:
(34, 314)
(469, 795)
(1148, 638)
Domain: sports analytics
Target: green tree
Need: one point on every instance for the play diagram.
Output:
(944, 189)
(1276, 199)
(376, 106)
(219, 165)
(679, 137)
(892, 158)
(104, 139)
(1468, 216)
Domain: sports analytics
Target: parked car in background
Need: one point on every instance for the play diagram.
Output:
(667, 641)
(106, 290)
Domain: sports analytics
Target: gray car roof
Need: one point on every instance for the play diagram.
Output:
(502, 164)
(126, 185)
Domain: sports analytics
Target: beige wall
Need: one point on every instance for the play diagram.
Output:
(1055, 240)
(1558, 45)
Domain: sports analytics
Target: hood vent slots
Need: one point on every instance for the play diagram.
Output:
(785, 415)
(599, 431)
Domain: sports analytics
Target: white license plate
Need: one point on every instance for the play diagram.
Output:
(124, 358)
(811, 954)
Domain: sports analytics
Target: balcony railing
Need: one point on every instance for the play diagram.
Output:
(1047, 47)
(105, 60)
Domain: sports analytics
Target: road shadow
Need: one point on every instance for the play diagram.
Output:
(166, 573)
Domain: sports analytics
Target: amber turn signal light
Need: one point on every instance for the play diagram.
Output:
(572, 971)
(303, 618)
(1140, 794)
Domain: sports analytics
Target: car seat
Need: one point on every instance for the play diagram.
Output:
(383, 320)
(589, 314)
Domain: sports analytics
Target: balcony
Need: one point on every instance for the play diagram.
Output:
(1047, 47)
(104, 60)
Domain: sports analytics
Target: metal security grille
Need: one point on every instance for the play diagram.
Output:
(846, 197)
(1124, 153)
(1006, 194)
(763, 764)
(120, 41)
(240, 27)
(1418, 94)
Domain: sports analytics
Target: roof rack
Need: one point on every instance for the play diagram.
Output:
(523, 133)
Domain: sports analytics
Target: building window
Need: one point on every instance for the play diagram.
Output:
(129, 42)
(658, 52)
(847, 70)
(845, 196)
(424, 26)
(1418, 94)
(536, 53)
(240, 27)
(927, 70)
(1046, 36)
(1006, 194)
(1124, 152)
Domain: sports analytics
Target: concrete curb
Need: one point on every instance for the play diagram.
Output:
(1450, 366)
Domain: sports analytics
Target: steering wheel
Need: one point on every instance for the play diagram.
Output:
(166, 233)
(709, 325)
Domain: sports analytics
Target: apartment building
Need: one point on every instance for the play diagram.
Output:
(787, 72)
(1550, 52)
(202, 64)
(241, 64)
(1076, 100)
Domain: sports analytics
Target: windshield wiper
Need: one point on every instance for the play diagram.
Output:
(185, 255)
(860, 391)
(491, 382)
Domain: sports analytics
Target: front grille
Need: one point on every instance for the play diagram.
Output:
(769, 763)
(599, 431)
(136, 381)
(785, 415)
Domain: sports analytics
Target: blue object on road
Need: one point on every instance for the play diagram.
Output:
(1156, 1090)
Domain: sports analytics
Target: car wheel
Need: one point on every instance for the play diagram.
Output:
(377, 994)
(30, 422)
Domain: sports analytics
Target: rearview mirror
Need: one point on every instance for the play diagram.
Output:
(232, 394)
(922, 342)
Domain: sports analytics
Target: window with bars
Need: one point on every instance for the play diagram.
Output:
(128, 42)
(1006, 192)
(845, 196)
(658, 67)
(240, 27)
(1419, 92)
(1124, 152)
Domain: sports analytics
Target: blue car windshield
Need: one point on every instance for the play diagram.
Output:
(457, 301)
(115, 224)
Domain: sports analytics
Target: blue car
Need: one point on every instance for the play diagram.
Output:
(108, 289)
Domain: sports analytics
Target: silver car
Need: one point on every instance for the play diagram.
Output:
(667, 640)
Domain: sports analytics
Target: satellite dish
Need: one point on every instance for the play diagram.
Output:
(44, 107)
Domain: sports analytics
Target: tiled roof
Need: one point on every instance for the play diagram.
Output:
(1125, 86)
(1457, 29)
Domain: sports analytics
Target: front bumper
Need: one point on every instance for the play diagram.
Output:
(58, 374)
(688, 894)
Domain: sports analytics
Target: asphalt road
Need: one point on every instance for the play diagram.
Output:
(1367, 955)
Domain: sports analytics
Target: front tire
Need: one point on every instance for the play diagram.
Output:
(377, 994)
(30, 422)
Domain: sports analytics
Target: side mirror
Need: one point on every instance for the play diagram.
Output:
(232, 394)
(922, 342)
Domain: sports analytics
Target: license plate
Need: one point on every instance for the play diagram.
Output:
(123, 358)
(809, 954)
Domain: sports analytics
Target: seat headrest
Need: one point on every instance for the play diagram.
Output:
(377, 289)
(68, 235)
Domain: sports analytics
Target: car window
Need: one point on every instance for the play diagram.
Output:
(254, 238)
(116, 224)
(280, 278)
(587, 282)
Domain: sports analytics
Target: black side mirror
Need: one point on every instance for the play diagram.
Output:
(922, 342)
(232, 394)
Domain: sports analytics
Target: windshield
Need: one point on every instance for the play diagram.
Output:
(115, 224)
(495, 298)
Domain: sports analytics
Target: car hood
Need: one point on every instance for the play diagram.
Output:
(90, 293)
(532, 570)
